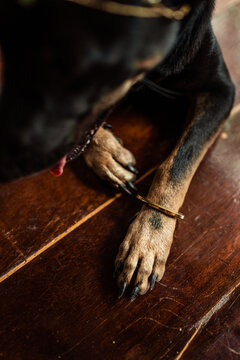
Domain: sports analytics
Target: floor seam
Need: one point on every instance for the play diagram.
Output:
(33, 256)
(61, 236)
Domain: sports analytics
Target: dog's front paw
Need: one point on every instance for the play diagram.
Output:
(143, 253)
(110, 160)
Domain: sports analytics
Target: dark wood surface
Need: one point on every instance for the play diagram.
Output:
(60, 300)
(220, 337)
(36, 211)
(226, 25)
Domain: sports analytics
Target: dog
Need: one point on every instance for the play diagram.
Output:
(65, 63)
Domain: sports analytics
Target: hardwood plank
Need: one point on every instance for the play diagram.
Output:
(220, 339)
(63, 305)
(9, 253)
(34, 211)
(227, 29)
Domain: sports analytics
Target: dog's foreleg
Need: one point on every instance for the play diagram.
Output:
(147, 244)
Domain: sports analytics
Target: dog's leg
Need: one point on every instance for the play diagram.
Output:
(146, 247)
(106, 155)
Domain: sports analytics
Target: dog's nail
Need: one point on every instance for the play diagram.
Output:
(125, 190)
(122, 289)
(152, 281)
(131, 168)
(132, 186)
(107, 126)
(117, 268)
(134, 293)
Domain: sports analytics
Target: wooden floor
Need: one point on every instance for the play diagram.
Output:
(59, 238)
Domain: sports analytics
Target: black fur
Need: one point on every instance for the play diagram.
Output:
(59, 58)
(195, 67)
(156, 221)
(212, 84)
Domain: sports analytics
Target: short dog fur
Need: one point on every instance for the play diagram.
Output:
(63, 64)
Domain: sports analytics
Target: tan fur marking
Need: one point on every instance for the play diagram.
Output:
(108, 158)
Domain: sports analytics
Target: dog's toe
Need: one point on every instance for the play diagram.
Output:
(143, 274)
(124, 157)
(159, 268)
(120, 172)
(128, 269)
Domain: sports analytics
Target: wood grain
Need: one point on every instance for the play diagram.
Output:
(226, 27)
(35, 211)
(63, 304)
(220, 339)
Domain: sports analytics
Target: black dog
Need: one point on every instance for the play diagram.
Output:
(63, 64)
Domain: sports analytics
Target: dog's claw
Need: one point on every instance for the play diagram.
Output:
(125, 189)
(134, 293)
(131, 168)
(152, 281)
(132, 186)
(117, 268)
(107, 126)
(122, 288)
